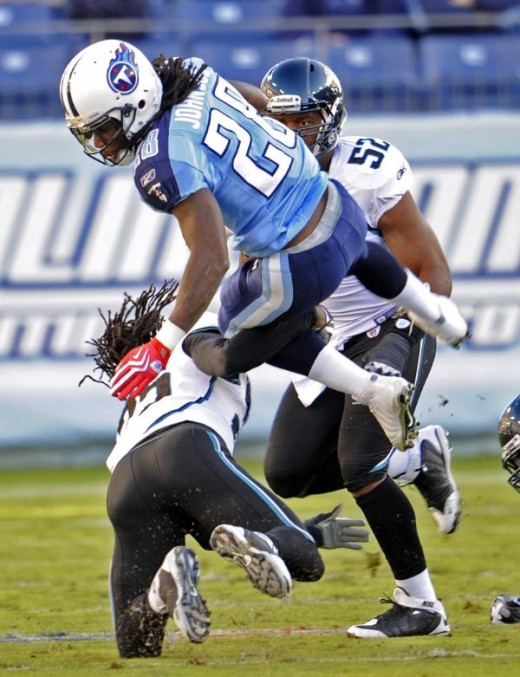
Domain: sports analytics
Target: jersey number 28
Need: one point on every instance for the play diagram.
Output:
(244, 163)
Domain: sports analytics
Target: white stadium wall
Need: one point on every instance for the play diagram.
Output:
(74, 237)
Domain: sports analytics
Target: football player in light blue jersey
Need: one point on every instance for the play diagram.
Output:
(211, 143)
(203, 154)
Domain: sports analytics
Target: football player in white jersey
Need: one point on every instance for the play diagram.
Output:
(173, 475)
(203, 154)
(321, 441)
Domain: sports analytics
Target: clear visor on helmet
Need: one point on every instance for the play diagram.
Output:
(105, 137)
(511, 461)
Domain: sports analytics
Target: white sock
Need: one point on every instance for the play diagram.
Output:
(338, 372)
(419, 299)
(419, 586)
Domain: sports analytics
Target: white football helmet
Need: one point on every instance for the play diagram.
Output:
(110, 82)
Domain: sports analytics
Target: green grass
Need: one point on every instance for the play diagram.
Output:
(55, 550)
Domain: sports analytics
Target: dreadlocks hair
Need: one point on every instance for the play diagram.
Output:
(135, 323)
(178, 80)
(178, 83)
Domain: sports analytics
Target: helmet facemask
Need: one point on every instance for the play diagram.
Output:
(511, 461)
(120, 119)
(326, 133)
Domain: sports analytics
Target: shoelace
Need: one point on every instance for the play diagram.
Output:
(395, 609)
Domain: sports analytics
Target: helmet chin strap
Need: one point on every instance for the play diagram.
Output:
(125, 156)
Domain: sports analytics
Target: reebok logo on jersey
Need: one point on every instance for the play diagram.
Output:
(401, 172)
(147, 178)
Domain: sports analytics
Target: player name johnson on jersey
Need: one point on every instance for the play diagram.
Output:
(215, 139)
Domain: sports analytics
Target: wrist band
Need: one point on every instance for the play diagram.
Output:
(170, 334)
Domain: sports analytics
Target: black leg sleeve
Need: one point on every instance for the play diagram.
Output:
(300, 555)
(390, 515)
(250, 348)
(380, 272)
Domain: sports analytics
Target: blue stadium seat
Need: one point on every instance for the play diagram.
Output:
(377, 74)
(339, 8)
(446, 7)
(212, 18)
(30, 79)
(168, 44)
(16, 14)
(448, 17)
(471, 72)
(25, 24)
(249, 61)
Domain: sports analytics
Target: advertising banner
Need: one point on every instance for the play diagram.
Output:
(74, 237)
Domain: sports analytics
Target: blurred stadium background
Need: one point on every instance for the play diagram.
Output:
(438, 78)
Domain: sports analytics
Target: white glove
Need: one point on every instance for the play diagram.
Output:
(450, 327)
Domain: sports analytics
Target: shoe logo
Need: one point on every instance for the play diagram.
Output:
(428, 604)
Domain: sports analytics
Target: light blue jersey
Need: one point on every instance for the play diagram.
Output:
(266, 181)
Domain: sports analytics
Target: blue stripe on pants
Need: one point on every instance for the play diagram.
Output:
(262, 290)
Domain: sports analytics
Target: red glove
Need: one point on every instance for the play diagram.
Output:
(138, 368)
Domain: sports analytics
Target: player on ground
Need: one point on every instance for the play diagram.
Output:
(173, 475)
(204, 155)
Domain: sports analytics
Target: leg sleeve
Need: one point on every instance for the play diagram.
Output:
(227, 494)
(380, 272)
(301, 456)
(248, 349)
(143, 534)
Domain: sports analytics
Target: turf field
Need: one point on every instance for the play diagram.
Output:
(55, 620)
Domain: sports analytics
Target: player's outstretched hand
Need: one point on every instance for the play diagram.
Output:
(137, 368)
(339, 532)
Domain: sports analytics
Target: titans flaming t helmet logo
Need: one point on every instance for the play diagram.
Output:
(123, 72)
